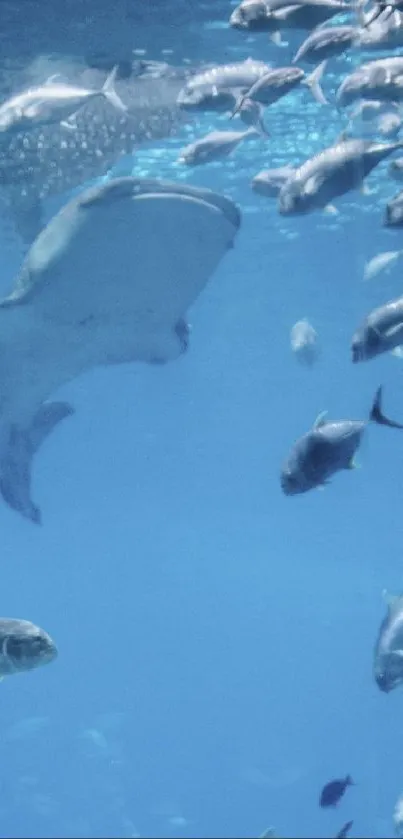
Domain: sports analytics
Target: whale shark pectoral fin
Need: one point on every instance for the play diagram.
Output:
(48, 416)
(15, 466)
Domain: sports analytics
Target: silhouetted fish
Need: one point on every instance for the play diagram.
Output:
(23, 646)
(326, 449)
(334, 791)
(345, 830)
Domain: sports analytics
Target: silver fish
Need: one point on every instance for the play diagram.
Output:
(304, 342)
(52, 102)
(327, 43)
(261, 17)
(252, 14)
(371, 118)
(394, 211)
(214, 89)
(388, 652)
(385, 34)
(381, 262)
(268, 182)
(380, 332)
(327, 448)
(330, 174)
(380, 79)
(23, 646)
(213, 146)
(278, 83)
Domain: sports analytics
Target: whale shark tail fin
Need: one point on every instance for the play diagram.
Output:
(15, 466)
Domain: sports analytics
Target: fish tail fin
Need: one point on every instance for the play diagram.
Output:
(376, 414)
(261, 128)
(238, 106)
(15, 469)
(109, 91)
(359, 8)
(313, 82)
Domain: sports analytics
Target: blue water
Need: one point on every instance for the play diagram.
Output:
(215, 637)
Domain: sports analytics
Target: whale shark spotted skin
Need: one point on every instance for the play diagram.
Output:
(108, 281)
(52, 160)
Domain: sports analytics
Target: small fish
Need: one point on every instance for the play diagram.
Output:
(275, 15)
(381, 331)
(333, 172)
(23, 646)
(327, 448)
(380, 263)
(375, 118)
(334, 791)
(368, 110)
(394, 211)
(345, 830)
(380, 79)
(304, 342)
(385, 34)
(323, 44)
(268, 182)
(381, 6)
(216, 88)
(251, 15)
(213, 146)
(388, 652)
(281, 81)
(52, 102)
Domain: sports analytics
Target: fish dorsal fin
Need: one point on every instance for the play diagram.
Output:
(52, 79)
(392, 601)
(284, 13)
(320, 420)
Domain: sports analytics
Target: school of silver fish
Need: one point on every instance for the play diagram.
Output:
(78, 130)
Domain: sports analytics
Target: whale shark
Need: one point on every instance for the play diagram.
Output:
(109, 280)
